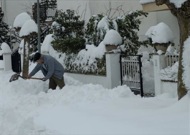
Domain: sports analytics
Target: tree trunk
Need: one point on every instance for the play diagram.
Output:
(26, 57)
(184, 26)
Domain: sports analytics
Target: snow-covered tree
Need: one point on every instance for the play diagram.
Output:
(71, 37)
(181, 9)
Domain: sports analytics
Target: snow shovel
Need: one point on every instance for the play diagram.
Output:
(16, 76)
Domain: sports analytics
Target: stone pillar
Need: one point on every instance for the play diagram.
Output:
(7, 61)
(113, 69)
(159, 63)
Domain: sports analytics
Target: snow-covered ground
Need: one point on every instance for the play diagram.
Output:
(27, 107)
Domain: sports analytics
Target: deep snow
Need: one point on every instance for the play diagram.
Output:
(27, 107)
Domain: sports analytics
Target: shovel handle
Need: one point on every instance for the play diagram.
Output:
(35, 78)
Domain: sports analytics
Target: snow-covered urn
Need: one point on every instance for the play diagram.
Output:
(6, 52)
(161, 36)
(20, 20)
(111, 40)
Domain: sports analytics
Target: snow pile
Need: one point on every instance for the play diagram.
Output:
(28, 107)
(170, 73)
(161, 33)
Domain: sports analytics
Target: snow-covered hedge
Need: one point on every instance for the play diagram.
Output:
(90, 60)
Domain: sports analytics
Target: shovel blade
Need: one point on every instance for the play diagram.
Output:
(14, 77)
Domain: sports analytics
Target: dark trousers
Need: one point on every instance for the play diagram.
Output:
(54, 82)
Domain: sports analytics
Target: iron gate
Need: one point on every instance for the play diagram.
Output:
(131, 73)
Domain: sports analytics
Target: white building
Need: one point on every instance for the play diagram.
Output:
(87, 8)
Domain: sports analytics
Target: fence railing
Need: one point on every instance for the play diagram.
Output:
(171, 60)
(131, 74)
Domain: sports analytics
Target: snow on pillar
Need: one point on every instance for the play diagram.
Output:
(113, 69)
(6, 51)
(159, 63)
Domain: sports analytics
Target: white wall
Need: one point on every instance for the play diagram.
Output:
(12, 8)
(80, 6)
(102, 6)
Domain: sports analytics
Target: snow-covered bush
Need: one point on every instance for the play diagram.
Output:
(88, 61)
(127, 26)
(70, 38)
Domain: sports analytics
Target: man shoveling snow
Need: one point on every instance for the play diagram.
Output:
(51, 70)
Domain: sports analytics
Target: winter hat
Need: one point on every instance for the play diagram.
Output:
(36, 56)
